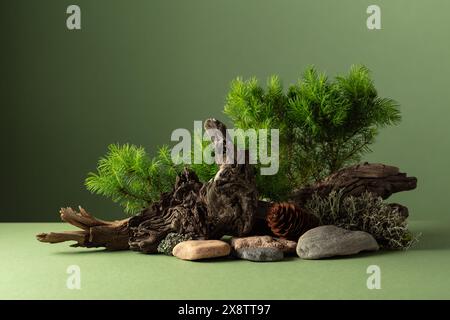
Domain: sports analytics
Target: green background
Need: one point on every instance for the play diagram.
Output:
(137, 70)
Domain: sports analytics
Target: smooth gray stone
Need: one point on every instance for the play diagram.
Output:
(260, 254)
(330, 241)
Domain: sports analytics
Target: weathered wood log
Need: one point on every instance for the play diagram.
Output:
(231, 196)
(180, 211)
(379, 179)
(225, 205)
(113, 235)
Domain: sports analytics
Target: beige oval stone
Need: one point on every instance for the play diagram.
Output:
(201, 249)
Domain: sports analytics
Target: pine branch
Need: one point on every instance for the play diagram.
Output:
(324, 124)
(129, 177)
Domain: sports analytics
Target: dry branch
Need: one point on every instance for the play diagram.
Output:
(113, 235)
(379, 179)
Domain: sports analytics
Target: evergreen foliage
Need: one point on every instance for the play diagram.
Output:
(129, 177)
(324, 125)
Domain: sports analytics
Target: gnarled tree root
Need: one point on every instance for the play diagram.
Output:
(379, 179)
(113, 235)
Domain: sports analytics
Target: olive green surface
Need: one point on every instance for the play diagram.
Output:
(33, 270)
(139, 69)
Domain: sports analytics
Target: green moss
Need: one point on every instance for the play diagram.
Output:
(170, 241)
(367, 213)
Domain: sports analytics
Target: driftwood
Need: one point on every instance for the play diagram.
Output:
(379, 179)
(179, 211)
(113, 235)
(231, 197)
(226, 205)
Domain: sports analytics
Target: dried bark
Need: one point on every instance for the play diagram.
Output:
(180, 211)
(226, 205)
(113, 235)
(379, 179)
(231, 197)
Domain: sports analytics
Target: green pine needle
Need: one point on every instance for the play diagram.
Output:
(324, 124)
(129, 177)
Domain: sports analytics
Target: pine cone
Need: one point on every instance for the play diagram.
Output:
(289, 221)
